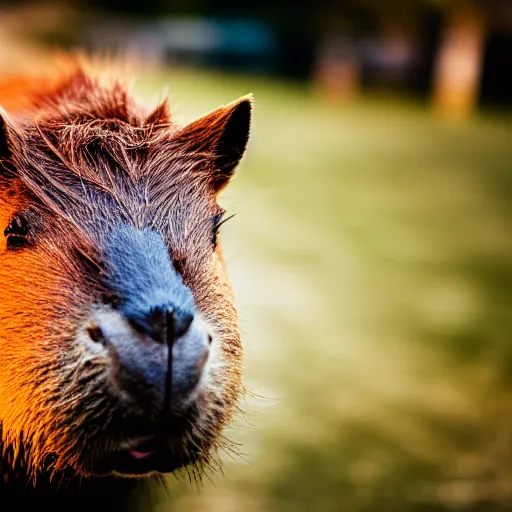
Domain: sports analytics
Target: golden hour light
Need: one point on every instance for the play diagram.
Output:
(256, 257)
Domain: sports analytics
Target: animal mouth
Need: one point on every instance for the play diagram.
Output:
(135, 446)
(145, 449)
(138, 455)
(152, 455)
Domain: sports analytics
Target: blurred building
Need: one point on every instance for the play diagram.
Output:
(456, 52)
(459, 54)
(230, 43)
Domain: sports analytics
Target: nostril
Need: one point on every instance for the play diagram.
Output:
(96, 334)
(182, 321)
(111, 300)
(210, 339)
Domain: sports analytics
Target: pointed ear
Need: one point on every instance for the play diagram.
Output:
(4, 150)
(222, 136)
(7, 132)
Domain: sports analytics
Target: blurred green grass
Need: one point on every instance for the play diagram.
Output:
(371, 259)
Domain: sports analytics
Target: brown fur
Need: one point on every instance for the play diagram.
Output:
(79, 158)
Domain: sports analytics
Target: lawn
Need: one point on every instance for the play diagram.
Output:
(371, 256)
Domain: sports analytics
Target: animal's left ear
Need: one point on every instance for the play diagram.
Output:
(220, 136)
(7, 142)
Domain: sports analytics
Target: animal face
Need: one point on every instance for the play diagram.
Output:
(119, 337)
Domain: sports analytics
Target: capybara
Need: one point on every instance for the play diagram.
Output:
(120, 352)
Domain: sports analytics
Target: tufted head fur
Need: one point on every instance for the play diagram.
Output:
(105, 206)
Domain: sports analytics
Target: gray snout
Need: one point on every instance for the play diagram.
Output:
(153, 364)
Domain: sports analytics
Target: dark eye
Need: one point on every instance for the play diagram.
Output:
(218, 220)
(16, 232)
(112, 300)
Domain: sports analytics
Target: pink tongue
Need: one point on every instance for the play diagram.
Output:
(140, 455)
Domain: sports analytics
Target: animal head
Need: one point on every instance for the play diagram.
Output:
(119, 342)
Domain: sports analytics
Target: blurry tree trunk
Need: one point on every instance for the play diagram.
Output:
(460, 61)
(337, 69)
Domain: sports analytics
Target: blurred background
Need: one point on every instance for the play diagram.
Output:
(371, 254)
